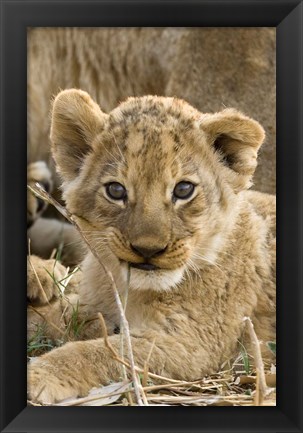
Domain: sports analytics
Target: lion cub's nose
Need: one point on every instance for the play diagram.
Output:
(148, 253)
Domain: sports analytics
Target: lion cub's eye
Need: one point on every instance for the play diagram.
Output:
(183, 190)
(116, 191)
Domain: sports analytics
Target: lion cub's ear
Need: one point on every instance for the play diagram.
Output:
(76, 120)
(237, 138)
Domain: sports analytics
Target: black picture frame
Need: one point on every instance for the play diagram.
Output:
(16, 16)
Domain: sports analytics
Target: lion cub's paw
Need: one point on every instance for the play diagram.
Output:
(46, 387)
(44, 279)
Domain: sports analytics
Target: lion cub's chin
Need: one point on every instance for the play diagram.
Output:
(160, 280)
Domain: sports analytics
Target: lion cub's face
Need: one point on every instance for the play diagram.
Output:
(156, 180)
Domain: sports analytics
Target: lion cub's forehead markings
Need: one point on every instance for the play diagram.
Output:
(152, 123)
(152, 134)
(146, 142)
(160, 110)
(152, 160)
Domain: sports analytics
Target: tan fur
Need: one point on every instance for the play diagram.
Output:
(209, 67)
(216, 263)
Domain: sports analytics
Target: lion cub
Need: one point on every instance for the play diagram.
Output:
(159, 189)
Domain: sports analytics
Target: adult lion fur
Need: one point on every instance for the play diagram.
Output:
(160, 191)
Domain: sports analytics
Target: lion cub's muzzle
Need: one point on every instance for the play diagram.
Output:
(147, 254)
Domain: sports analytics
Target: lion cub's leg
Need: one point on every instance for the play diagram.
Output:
(73, 369)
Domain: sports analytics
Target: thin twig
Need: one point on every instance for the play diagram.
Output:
(124, 322)
(118, 358)
(170, 386)
(145, 374)
(35, 273)
(261, 387)
(124, 302)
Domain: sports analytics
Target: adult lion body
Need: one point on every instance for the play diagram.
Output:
(159, 188)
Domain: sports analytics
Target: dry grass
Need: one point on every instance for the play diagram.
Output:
(221, 389)
(237, 385)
